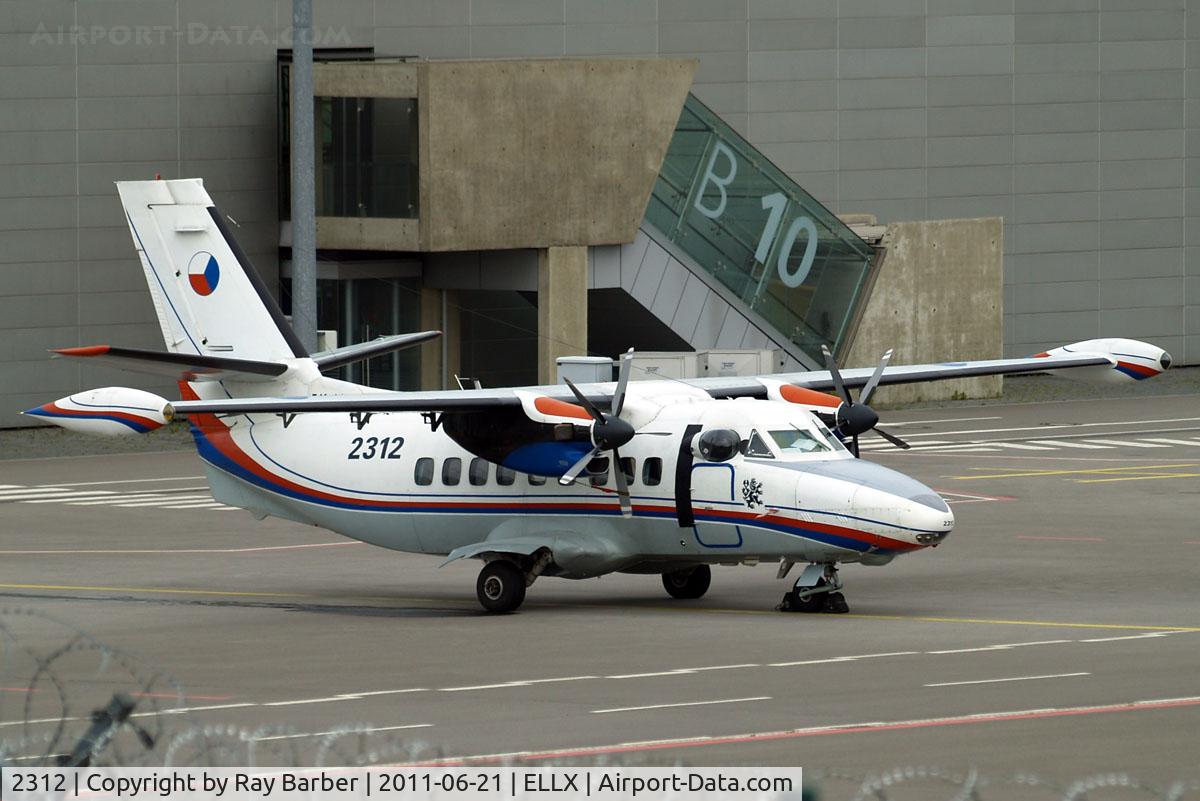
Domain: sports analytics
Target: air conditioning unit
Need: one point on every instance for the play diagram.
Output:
(655, 365)
(734, 362)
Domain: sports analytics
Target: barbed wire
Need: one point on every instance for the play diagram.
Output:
(64, 695)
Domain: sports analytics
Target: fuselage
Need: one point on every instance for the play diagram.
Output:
(395, 481)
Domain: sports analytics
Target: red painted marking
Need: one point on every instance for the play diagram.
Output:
(809, 397)
(199, 284)
(133, 418)
(853, 728)
(1062, 539)
(89, 350)
(1137, 368)
(1042, 355)
(557, 408)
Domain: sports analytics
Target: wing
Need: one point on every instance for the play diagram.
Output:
(185, 366)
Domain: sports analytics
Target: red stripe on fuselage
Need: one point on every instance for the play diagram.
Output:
(106, 413)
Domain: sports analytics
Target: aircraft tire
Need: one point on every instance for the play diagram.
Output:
(688, 584)
(501, 587)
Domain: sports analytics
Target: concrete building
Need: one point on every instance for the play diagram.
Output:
(1073, 120)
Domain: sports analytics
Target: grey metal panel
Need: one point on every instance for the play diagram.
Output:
(37, 180)
(1058, 327)
(422, 13)
(794, 34)
(126, 145)
(1038, 58)
(896, 209)
(232, 142)
(37, 147)
(793, 126)
(880, 31)
(632, 256)
(1145, 23)
(44, 278)
(104, 308)
(875, 154)
(700, 10)
(39, 311)
(1128, 293)
(1149, 322)
(691, 302)
(1054, 117)
(879, 184)
(669, 293)
(615, 39)
(870, 93)
(606, 266)
(1143, 263)
(1047, 6)
(882, 63)
(954, 151)
(650, 274)
(1052, 296)
(1053, 237)
(970, 90)
(792, 65)
(732, 331)
(120, 80)
(970, 120)
(1141, 204)
(1141, 55)
(50, 379)
(712, 35)
(1141, 85)
(1056, 148)
(439, 42)
(1066, 87)
(37, 115)
(1132, 115)
(1038, 178)
(516, 12)
(872, 8)
(111, 275)
(900, 123)
(109, 113)
(708, 326)
(727, 99)
(29, 247)
(821, 185)
(1141, 234)
(1057, 28)
(17, 16)
(23, 49)
(589, 11)
(33, 344)
(801, 156)
(720, 67)
(792, 96)
(208, 111)
(32, 213)
(37, 82)
(952, 181)
(1033, 268)
(1141, 174)
(1055, 207)
(939, 208)
(964, 60)
(951, 7)
(754, 339)
(236, 78)
(975, 29)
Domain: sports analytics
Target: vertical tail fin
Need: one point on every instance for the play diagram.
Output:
(208, 298)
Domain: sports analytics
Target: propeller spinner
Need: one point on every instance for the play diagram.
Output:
(609, 432)
(854, 418)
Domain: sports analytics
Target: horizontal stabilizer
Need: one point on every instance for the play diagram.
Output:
(330, 359)
(186, 366)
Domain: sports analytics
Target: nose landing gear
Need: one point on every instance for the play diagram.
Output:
(816, 590)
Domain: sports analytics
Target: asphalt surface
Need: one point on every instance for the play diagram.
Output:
(1057, 630)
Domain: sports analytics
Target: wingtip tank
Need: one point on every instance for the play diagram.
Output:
(106, 412)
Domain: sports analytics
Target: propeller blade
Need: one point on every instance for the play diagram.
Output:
(618, 400)
(836, 375)
(899, 443)
(584, 402)
(854, 445)
(622, 485)
(873, 381)
(574, 470)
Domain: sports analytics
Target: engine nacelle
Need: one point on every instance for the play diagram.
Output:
(106, 412)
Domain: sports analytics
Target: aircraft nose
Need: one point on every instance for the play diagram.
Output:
(917, 508)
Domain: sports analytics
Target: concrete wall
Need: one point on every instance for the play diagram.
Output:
(938, 297)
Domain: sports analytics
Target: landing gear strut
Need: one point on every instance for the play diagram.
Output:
(688, 583)
(815, 591)
(501, 586)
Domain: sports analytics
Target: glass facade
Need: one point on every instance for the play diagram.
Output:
(367, 160)
(758, 233)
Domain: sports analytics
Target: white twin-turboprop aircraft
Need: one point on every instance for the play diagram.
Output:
(665, 477)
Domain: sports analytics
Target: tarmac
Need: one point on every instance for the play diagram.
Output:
(1056, 631)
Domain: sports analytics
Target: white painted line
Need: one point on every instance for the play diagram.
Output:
(1001, 647)
(1192, 442)
(199, 505)
(1132, 637)
(1022, 447)
(514, 683)
(130, 481)
(372, 693)
(300, 701)
(121, 499)
(943, 420)
(349, 731)
(179, 710)
(29, 490)
(834, 659)
(1063, 443)
(1127, 443)
(162, 502)
(687, 703)
(69, 497)
(647, 675)
(1014, 678)
(34, 494)
(725, 667)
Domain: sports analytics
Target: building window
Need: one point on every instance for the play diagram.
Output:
(652, 471)
(452, 471)
(478, 472)
(366, 157)
(424, 471)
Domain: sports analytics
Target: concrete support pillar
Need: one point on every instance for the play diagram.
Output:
(562, 307)
(441, 358)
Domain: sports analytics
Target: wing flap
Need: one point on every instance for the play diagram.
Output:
(185, 366)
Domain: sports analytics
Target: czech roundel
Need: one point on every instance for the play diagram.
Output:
(204, 273)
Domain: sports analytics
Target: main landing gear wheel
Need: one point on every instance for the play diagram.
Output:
(689, 583)
(501, 586)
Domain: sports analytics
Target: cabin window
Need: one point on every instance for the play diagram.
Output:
(478, 472)
(758, 447)
(597, 471)
(505, 476)
(652, 471)
(424, 471)
(798, 440)
(629, 468)
(536, 481)
(452, 471)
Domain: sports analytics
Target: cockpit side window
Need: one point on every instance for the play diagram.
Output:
(758, 447)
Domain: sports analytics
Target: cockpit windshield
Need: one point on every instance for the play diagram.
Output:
(799, 440)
